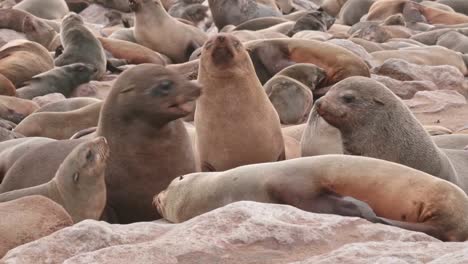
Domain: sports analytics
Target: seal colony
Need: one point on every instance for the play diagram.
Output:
(130, 111)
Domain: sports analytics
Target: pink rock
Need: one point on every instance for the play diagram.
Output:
(435, 101)
(404, 89)
(242, 232)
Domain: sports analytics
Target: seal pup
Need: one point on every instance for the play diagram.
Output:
(235, 121)
(58, 80)
(80, 45)
(364, 109)
(78, 185)
(28, 219)
(399, 195)
(157, 30)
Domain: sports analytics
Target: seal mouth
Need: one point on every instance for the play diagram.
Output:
(221, 55)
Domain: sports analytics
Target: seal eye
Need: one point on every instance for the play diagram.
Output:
(163, 88)
(89, 156)
(76, 177)
(348, 98)
(165, 85)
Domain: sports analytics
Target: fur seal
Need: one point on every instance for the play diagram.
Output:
(353, 10)
(306, 73)
(290, 98)
(66, 105)
(121, 5)
(430, 55)
(80, 45)
(332, 7)
(318, 20)
(59, 125)
(20, 60)
(235, 12)
(47, 9)
(16, 109)
(413, 199)
(231, 89)
(131, 52)
(434, 15)
(363, 110)
(140, 119)
(272, 55)
(6, 87)
(260, 23)
(35, 29)
(152, 20)
(459, 6)
(455, 41)
(78, 185)
(58, 80)
(28, 219)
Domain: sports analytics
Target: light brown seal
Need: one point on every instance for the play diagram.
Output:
(58, 125)
(140, 119)
(58, 80)
(131, 52)
(47, 9)
(273, 55)
(80, 45)
(20, 60)
(6, 87)
(366, 111)
(157, 30)
(66, 105)
(30, 218)
(236, 123)
(78, 185)
(402, 196)
(16, 109)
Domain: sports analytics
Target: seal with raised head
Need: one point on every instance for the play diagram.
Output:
(399, 195)
(79, 184)
(58, 80)
(157, 30)
(141, 121)
(235, 121)
(80, 45)
(365, 110)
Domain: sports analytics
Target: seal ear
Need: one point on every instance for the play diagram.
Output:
(76, 177)
(379, 102)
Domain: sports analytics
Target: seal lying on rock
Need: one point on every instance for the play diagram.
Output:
(403, 196)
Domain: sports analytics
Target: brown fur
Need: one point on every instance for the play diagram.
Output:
(59, 125)
(30, 218)
(131, 52)
(20, 60)
(403, 196)
(78, 184)
(157, 30)
(47, 9)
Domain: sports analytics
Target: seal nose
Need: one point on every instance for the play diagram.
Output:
(221, 38)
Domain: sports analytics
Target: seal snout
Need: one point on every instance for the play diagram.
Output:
(158, 202)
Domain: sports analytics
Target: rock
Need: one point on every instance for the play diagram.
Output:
(445, 77)
(404, 89)
(242, 232)
(435, 101)
(30, 218)
(48, 98)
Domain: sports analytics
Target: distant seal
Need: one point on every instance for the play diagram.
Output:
(363, 109)
(121, 5)
(28, 219)
(6, 87)
(157, 30)
(78, 185)
(131, 52)
(66, 105)
(260, 23)
(58, 80)
(306, 73)
(140, 118)
(417, 201)
(272, 55)
(318, 20)
(290, 98)
(47, 9)
(20, 60)
(231, 88)
(58, 125)
(454, 41)
(235, 12)
(80, 45)
(332, 7)
(457, 5)
(353, 10)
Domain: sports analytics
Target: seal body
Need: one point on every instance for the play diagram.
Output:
(236, 123)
